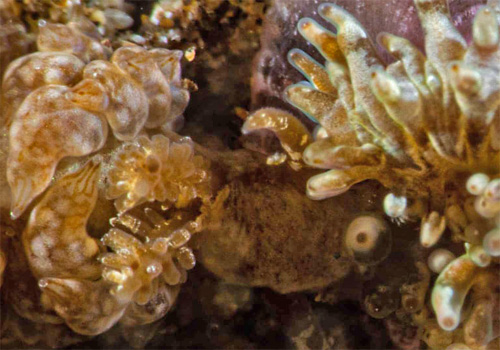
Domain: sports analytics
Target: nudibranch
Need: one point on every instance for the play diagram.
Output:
(86, 126)
(37, 145)
(140, 280)
(60, 107)
(424, 126)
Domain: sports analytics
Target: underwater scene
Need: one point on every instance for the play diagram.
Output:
(250, 174)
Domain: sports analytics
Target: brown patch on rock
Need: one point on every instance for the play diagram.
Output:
(264, 231)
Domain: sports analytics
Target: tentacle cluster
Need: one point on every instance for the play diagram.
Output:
(421, 126)
(140, 277)
(402, 123)
(157, 170)
(140, 270)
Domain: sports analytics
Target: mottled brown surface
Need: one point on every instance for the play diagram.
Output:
(271, 234)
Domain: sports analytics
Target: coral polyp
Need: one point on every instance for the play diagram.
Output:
(426, 126)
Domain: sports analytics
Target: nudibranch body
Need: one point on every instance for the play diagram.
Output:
(140, 281)
(14, 39)
(421, 125)
(36, 146)
(46, 93)
(57, 244)
(85, 125)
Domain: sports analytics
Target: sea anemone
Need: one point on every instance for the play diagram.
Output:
(421, 125)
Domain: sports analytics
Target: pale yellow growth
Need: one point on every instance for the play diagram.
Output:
(327, 154)
(293, 135)
(309, 67)
(324, 40)
(478, 255)
(491, 242)
(477, 183)
(450, 290)
(146, 275)
(448, 296)
(335, 182)
(439, 258)
(431, 229)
